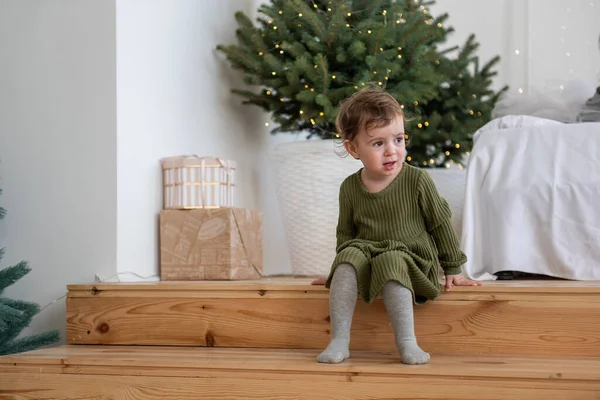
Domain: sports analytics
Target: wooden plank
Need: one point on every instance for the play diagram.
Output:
(91, 372)
(461, 322)
(303, 284)
(230, 386)
(158, 359)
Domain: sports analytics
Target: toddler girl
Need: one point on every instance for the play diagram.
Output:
(393, 228)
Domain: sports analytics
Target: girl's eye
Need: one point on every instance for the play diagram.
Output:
(399, 139)
(377, 144)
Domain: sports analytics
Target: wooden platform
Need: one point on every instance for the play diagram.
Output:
(519, 317)
(156, 373)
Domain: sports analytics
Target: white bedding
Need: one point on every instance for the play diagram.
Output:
(532, 199)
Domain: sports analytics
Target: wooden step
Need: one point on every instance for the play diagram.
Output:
(519, 317)
(153, 373)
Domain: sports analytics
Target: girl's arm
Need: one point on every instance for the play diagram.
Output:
(345, 229)
(437, 215)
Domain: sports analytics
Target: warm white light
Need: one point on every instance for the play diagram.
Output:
(517, 52)
(266, 124)
(520, 90)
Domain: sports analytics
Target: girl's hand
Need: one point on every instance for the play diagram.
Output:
(458, 280)
(319, 281)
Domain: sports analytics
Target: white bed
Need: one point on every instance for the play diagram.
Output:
(532, 199)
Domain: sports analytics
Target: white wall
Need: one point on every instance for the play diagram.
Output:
(57, 146)
(557, 40)
(173, 98)
(563, 42)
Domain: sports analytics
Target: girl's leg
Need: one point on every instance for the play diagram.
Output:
(343, 293)
(399, 305)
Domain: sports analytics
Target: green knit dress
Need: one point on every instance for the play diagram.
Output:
(400, 233)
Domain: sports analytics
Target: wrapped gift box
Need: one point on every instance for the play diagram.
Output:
(191, 182)
(211, 244)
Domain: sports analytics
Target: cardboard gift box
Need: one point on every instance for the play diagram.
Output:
(211, 244)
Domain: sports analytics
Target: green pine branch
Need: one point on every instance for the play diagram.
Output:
(10, 275)
(29, 343)
(16, 315)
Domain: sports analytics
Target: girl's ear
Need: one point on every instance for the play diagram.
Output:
(351, 148)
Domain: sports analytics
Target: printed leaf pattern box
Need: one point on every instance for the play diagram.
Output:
(211, 244)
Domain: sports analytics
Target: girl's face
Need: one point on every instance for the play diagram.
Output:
(381, 150)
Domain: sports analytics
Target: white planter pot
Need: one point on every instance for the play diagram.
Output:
(308, 175)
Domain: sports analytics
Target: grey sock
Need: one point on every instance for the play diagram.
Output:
(399, 305)
(343, 293)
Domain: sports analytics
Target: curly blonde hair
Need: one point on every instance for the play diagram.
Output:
(368, 108)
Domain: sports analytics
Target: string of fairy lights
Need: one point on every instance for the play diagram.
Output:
(399, 20)
(566, 51)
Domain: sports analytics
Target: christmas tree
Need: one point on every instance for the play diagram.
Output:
(309, 55)
(16, 315)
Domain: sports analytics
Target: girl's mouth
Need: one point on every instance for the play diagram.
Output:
(389, 165)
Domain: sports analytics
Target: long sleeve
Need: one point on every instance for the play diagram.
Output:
(437, 214)
(345, 227)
